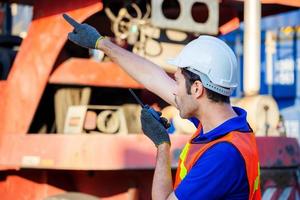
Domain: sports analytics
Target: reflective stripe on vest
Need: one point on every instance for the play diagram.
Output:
(245, 144)
(183, 170)
(256, 182)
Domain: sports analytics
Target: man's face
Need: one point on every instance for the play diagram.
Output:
(185, 102)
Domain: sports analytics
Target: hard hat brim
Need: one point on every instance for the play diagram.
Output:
(175, 62)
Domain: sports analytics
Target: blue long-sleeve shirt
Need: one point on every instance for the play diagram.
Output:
(220, 173)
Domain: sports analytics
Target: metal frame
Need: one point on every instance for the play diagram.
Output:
(31, 70)
(185, 20)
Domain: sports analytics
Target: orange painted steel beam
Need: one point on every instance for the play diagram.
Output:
(282, 2)
(294, 3)
(116, 152)
(2, 85)
(232, 25)
(90, 72)
(31, 184)
(34, 188)
(34, 62)
(82, 152)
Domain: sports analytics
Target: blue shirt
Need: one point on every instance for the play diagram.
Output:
(220, 173)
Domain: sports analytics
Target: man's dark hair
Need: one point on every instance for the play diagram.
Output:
(191, 77)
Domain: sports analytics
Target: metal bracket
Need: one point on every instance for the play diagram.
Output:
(185, 21)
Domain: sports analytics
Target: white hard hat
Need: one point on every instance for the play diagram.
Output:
(211, 59)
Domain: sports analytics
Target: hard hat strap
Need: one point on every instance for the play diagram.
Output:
(207, 83)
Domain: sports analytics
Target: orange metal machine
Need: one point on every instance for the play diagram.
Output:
(37, 166)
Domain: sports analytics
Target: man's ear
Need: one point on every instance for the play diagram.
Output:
(197, 89)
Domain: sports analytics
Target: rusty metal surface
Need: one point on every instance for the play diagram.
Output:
(89, 72)
(38, 184)
(278, 152)
(13, 186)
(280, 183)
(34, 62)
(278, 178)
(34, 184)
(82, 152)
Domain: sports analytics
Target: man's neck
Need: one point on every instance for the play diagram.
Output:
(211, 115)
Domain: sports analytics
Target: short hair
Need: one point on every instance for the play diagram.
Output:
(191, 77)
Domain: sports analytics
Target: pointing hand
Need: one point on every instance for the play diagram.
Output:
(83, 34)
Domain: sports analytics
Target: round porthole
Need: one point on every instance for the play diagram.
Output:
(171, 9)
(199, 8)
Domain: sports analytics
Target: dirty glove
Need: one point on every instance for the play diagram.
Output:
(83, 34)
(153, 129)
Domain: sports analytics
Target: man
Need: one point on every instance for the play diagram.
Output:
(221, 160)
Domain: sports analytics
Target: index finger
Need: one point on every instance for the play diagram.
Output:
(70, 20)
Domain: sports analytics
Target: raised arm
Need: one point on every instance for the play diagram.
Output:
(153, 77)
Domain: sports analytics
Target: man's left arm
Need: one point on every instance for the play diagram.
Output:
(162, 181)
(162, 187)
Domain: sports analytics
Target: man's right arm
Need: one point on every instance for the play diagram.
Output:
(143, 71)
(153, 77)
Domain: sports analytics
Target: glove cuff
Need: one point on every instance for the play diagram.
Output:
(98, 40)
(167, 142)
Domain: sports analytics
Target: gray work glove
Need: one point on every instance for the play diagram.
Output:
(153, 129)
(83, 34)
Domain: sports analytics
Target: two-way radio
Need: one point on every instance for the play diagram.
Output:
(154, 113)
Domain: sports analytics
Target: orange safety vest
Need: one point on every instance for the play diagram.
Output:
(246, 145)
